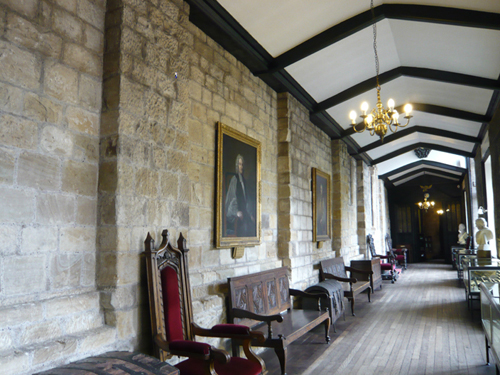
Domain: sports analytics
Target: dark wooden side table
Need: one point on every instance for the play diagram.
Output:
(115, 363)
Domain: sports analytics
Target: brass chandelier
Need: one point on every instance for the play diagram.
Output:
(379, 119)
(425, 205)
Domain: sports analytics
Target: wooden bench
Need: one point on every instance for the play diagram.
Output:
(335, 269)
(264, 298)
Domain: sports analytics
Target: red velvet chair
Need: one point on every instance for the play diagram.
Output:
(172, 318)
(387, 262)
(399, 253)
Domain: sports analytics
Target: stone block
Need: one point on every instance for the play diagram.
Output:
(5, 340)
(82, 121)
(20, 314)
(61, 82)
(88, 275)
(95, 340)
(86, 211)
(128, 268)
(9, 240)
(82, 59)
(57, 141)
(55, 209)
(146, 182)
(83, 322)
(90, 93)
(17, 206)
(93, 39)
(11, 98)
(79, 178)
(7, 164)
(120, 298)
(38, 171)
(41, 109)
(77, 239)
(67, 25)
(130, 211)
(19, 67)
(39, 240)
(15, 363)
(34, 266)
(62, 348)
(21, 31)
(91, 13)
(18, 132)
(69, 5)
(39, 332)
(60, 307)
(65, 270)
(85, 148)
(132, 97)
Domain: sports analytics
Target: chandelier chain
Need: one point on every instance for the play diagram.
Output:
(377, 66)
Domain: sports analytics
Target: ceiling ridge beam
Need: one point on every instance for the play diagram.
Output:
(422, 144)
(408, 71)
(419, 129)
(408, 12)
(424, 162)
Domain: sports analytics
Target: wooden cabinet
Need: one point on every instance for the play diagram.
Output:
(368, 265)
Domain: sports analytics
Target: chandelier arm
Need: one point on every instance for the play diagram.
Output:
(360, 131)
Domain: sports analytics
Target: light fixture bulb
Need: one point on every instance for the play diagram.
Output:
(408, 109)
(364, 107)
(395, 116)
(369, 119)
(353, 116)
(390, 104)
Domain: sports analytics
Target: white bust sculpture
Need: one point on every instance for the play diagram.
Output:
(484, 235)
(462, 234)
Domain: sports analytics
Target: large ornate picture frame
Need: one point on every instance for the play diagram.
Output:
(321, 205)
(238, 189)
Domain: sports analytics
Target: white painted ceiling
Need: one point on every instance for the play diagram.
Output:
(449, 114)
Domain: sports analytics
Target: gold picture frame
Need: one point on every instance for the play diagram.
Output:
(321, 192)
(238, 189)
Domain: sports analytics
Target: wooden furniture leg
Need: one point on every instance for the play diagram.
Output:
(281, 353)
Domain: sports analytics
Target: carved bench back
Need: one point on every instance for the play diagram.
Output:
(264, 293)
(334, 266)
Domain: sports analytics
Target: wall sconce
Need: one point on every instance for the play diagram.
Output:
(440, 212)
(481, 210)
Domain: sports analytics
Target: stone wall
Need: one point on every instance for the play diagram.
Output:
(98, 148)
(50, 100)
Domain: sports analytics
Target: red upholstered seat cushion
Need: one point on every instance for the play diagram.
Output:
(400, 258)
(387, 266)
(236, 365)
(235, 329)
(190, 346)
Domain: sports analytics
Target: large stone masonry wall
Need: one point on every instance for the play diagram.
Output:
(166, 85)
(50, 100)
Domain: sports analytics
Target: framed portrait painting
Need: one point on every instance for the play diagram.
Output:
(238, 189)
(321, 205)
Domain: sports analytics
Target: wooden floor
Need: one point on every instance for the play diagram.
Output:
(419, 325)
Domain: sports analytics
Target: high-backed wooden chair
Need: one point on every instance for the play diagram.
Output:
(172, 318)
(387, 262)
(399, 253)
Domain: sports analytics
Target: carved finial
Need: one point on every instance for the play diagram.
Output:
(181, 243)
(149, 243)
(165, 235)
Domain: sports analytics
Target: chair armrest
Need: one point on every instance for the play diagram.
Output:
(244, 314)
(343, 279)
(366, 272)
(193, 349)
(300, 293)
(230, 331)
(382, 256)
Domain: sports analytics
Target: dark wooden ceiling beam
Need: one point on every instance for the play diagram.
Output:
(418, 163)
(408, 71)
(419, 129)
(422, 144)
(434, 172)
(432, 109)
(408, 12)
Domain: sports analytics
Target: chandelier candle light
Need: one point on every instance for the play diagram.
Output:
(425, 205)
(380, 118)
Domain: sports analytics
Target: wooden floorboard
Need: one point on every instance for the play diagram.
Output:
(419, 325)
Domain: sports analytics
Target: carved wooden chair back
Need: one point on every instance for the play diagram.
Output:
(334, 266)
(169, 291)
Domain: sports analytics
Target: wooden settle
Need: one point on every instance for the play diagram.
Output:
(334, 268)
(368, 265)
(262, 301)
